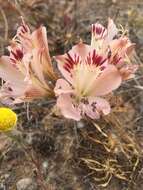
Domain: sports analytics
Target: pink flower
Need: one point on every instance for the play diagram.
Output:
(90, 72)
(27, 72)
(88, 76)
(119, 49)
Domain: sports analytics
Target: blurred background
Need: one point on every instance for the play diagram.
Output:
(69, 20)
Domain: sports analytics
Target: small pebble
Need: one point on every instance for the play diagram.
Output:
(2, 187)
(26, 184)
(80, 125)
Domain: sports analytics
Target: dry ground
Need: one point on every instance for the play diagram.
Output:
(62, 154)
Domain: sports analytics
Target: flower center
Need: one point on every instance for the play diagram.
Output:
(86, 72)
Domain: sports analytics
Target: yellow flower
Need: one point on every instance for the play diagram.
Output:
(8, 119)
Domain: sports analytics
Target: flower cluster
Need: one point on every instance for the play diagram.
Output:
(88, 72)
(93, 71)
(27, 67)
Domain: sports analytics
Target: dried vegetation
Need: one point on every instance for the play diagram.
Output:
(65, 155)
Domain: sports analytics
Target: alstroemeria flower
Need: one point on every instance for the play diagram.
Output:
(90, 72)
(88, 77)
(119, 49)
(27, 72)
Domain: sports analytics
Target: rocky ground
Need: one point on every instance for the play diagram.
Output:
(61, 154)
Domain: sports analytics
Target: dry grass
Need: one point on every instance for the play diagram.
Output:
(79, 156)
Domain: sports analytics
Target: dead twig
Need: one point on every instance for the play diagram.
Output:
(5, 23)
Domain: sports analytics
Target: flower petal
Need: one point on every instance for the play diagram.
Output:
(40, 42)
(127, 71)
(64, 103)
(102, 105)
(10, 73)
(34, 92)
(95, 107)
(37, 66)
(24, 36)
(80, 50)
(111, 30)
(62, 87)
(119, 45)
(61, 59)
(39, 38)
(98, 31)
(9, 92)
(98, 36)
(108, 81)
(14, 94)
(88, 111)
